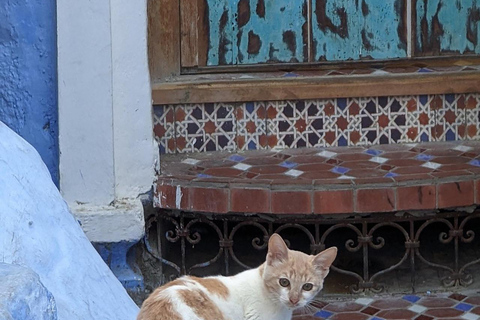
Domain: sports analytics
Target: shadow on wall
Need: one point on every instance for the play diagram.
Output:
(28, 69)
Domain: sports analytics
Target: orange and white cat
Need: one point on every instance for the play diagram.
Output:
(288, 280)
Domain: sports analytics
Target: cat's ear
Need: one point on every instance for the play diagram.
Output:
(277, 250)
(324, 259)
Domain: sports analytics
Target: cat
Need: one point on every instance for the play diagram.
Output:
(287, 280)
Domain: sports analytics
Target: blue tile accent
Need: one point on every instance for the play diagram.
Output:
(203, 175)
(288, 164)
(423, 99)
(376, 318)
(424, 157)
(391, 175)
(252, 145)
(450, 98)
(463, 307)
(424, 137)
(323, 314)
(340, 170)
(342, 142)
(424, 70)
(342, 103)
(475, 162)
(374, 152)
(236, 158)
(250, 106)
(290, 75)
(411, 298)
(450, 136)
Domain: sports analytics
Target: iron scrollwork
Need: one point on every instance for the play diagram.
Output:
(366, 238)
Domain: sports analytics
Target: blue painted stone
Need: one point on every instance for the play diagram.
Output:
(463, 307)
(411, 298)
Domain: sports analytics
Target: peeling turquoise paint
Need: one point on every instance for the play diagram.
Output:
(355, 29)
(447, 26)
(282, 19)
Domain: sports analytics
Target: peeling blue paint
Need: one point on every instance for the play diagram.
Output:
(28, 73)
(446, 26)
(229, 42)
(353, 29)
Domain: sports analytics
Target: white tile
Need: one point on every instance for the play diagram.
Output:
(364, 301)
(411, 145)
(416, 308)
(190, 161)
(431, 165)
(345, 177)
(462, 148)
(242, 166)
(294, 173)
(379, 159)
(470, 316)
(327, 154)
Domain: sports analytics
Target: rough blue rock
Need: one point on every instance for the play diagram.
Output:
(23, 296)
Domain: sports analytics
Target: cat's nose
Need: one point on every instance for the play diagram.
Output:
(294, 300)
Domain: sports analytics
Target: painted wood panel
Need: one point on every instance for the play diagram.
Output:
(256, 31)
(359, 29)
(447, 27)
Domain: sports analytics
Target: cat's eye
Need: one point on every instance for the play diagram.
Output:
(307, 286)
(284, 282)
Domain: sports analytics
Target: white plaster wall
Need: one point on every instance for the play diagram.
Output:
(133, 127)
(85, 101)
(106, 139)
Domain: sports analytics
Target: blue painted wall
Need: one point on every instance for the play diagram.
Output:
(28, 75)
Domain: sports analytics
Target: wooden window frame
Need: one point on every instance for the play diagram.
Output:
(223, 84)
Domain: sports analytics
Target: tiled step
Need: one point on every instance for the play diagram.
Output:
(418, 307)
(335, 180)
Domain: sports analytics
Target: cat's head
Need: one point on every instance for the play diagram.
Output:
(294, 278)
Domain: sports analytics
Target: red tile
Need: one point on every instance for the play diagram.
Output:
(366, 173)
(449, 174)
(375, 200)
(399, 155)
(316, 167)
(370, 310)
(423, 317)
(306, 159)
(473, 300)
(455, 194)
(334, 201)
(436, 302)
(250, 200)
(405, 162)
(353, 156)
(416, 198)
(267, 169)
(420, 177)
(383, 304)
(396, 314)
(209, 199)
(223, 172)
(451, 160)
(343, 307)
(349, 316)
(290, 202)
(412, 170)
(444, 313)
(476, 311)
(457, 296)
(319, 175)
(165, 196)
(262, 161)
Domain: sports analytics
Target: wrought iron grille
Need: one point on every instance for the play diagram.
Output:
(371, 248)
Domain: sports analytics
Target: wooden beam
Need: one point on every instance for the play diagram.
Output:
(315, 87)
(163, 38)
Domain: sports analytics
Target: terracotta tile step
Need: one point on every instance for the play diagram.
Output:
(337, 180)
(418, 307)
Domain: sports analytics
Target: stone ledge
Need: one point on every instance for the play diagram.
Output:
(384, 178)
(122, 222)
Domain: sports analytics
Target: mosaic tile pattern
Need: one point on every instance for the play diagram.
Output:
(380, 178)
(316, 123)
(428, 307)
